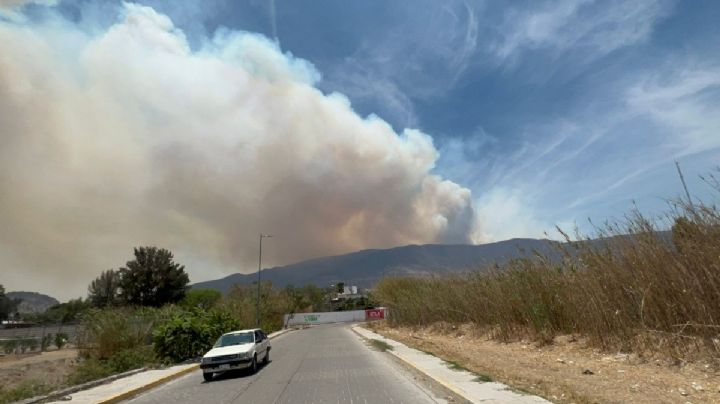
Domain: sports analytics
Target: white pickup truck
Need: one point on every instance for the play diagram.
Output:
(236, 350)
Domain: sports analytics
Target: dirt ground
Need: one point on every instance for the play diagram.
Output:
(566, 371)
(51, 368)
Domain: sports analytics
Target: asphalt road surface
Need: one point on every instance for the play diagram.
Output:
(325, 364)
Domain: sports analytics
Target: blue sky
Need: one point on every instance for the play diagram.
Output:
(550, 112)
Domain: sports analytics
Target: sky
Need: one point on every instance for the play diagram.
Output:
(337, 126)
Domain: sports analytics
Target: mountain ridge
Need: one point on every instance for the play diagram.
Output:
(364, 268)
(32, 302)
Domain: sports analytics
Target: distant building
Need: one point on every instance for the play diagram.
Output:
(349, 290)
(16, 324)
(349, 299)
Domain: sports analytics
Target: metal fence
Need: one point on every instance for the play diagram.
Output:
(30, 339)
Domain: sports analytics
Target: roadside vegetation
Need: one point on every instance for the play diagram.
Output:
(630, 287)
(119, 338)
(127, 322)
(7, 305)
(29, 388)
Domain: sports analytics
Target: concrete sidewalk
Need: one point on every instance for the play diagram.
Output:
(461, 382)
(122, 389)
(128, 387)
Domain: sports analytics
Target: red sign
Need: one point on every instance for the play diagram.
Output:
(374, 314)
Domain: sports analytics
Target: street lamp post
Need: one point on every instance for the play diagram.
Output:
(257, 305)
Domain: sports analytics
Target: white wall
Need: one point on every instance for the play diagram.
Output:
(324, 318)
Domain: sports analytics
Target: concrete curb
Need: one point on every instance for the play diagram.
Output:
(438, 380)
(132, 393)
(472, 395)
(280, 332)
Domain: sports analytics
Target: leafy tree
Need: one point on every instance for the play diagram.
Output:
(69, 312)
(103, 291)
(308, 298)
(152, 278)
(242, 302)
(7, 305)
(340, 287)
(201, 298)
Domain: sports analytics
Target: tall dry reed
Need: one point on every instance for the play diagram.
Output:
(631, 287)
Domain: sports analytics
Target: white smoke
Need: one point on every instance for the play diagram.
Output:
(130, 138)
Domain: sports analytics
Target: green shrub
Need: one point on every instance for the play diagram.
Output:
(33, 344)
(26, 389)
(201, 299)
(10, 345)
(182, 337)
(27, 344)
(190, 334)
(46, 341)
(130, 359)
(111, 330)
(88, 370)
(61, 339)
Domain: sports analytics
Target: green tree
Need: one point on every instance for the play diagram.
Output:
(69, 312)
(7, 305)
(103, 291)
(307, 298)
(201, 298)
(242, 302)
(152, 278)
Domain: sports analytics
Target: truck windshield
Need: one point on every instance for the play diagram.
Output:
(235, 339)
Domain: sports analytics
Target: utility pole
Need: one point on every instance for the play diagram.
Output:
(257, 305)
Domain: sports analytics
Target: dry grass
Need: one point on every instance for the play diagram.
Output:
(556, 371)
(632, 289)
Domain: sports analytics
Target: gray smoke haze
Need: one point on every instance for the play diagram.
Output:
(127, 137)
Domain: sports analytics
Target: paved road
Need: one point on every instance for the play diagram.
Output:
(325, 364)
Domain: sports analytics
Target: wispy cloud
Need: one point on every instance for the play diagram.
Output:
(595, 27)
(606, 153)
(685, 105)
(423, 55)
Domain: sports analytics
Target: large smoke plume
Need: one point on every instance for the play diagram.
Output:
(129, 137)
